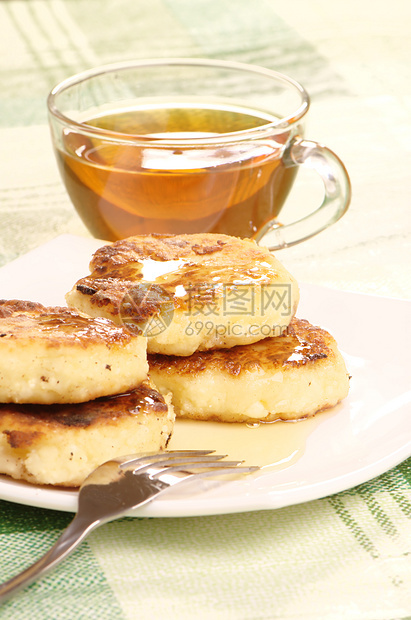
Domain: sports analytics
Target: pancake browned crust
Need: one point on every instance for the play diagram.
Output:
(62, 444)
(189, 292)
(56, 355)
(288, 377)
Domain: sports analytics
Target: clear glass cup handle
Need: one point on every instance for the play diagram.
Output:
(337, 196)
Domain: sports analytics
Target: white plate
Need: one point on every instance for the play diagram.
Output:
(361, 438)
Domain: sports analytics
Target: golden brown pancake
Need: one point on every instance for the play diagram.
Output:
(287, 377)
(61, 444)
(189, 292)
(57, 355)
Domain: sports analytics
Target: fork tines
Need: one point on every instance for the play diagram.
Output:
(166, 456)
(179, 460)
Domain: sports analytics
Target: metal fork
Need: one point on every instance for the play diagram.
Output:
(119, 486)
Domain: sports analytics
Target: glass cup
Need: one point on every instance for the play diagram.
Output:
(190, 145)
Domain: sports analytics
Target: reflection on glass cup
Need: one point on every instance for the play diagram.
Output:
(189, 145)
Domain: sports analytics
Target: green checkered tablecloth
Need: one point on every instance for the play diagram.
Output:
(347, 556)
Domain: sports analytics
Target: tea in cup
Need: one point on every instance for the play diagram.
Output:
(190, 145)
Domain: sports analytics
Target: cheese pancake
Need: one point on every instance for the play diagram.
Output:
(63, 444)
(288, 377)
(189, 292)
(56, 355)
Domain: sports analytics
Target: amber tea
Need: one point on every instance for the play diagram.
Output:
(174, 145)
(152, 184)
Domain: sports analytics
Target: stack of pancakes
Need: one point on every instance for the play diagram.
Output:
(219, 316)
(199, 326)
(74, 393)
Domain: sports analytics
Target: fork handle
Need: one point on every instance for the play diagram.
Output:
(71, 537)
